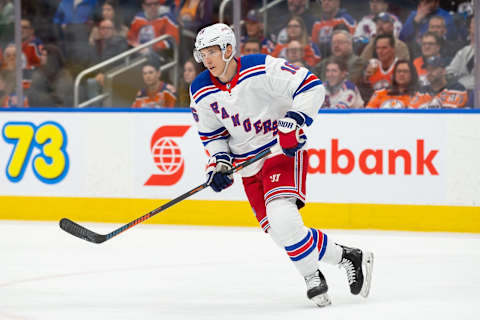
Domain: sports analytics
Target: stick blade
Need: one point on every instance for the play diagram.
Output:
(81, 232)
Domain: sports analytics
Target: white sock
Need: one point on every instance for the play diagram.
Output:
(288, 231)
(333, 253)
(329, 251)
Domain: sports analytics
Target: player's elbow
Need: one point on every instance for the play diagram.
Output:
(319, 95)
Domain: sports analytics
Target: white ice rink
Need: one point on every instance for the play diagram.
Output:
(170, 272)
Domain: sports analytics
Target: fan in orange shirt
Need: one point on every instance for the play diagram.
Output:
(148, 25)
(331, 16)
(156, 94)
(404, 87)
(430, 48)
(380, 71)
(441, 93)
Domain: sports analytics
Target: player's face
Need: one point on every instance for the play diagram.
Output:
(150, 75)
(403, 75)
(333, 74)
(377, 6)
(212, 60)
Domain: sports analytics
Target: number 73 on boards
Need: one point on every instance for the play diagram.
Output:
(46, 143)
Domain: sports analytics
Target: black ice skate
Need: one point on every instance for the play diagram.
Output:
(358, 266)
(317, 289)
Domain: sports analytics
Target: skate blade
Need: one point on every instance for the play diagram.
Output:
(322, 300)
(367, 265)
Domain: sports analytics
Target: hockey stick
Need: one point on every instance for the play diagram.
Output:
(88, 235)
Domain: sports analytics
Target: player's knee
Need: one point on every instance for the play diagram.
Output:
(286, 225)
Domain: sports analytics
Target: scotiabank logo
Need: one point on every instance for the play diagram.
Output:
(167, 156)
(373, 161)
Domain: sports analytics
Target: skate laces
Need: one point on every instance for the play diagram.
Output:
(313, 280)
(350, 269)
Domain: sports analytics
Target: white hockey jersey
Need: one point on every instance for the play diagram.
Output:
(240, 117)
(367, 28)
(345, 96)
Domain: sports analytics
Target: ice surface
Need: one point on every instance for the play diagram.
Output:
(180, 272)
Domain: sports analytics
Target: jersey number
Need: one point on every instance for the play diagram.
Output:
(290, 68)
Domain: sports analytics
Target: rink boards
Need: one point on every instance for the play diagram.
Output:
(367, 170)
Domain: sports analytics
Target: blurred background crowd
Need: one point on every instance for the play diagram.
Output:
(368, 53)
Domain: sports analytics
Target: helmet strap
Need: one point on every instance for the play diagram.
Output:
(227, 61)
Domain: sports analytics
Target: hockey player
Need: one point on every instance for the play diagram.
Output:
(244, 106)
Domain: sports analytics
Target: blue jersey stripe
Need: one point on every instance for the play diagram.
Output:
(252, 60)
(219, 138)
(310, 85)
(252, 75)
(308, 120)
(206, 94)
(244, 155)
(301, 84)
(209, 134)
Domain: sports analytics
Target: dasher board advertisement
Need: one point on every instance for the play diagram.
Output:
(364, 158)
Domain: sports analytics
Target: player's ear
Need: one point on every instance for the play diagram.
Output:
(228, 51)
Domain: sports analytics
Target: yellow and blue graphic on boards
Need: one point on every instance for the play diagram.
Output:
(46, 142)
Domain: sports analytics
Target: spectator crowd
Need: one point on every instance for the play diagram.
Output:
(416, 54)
